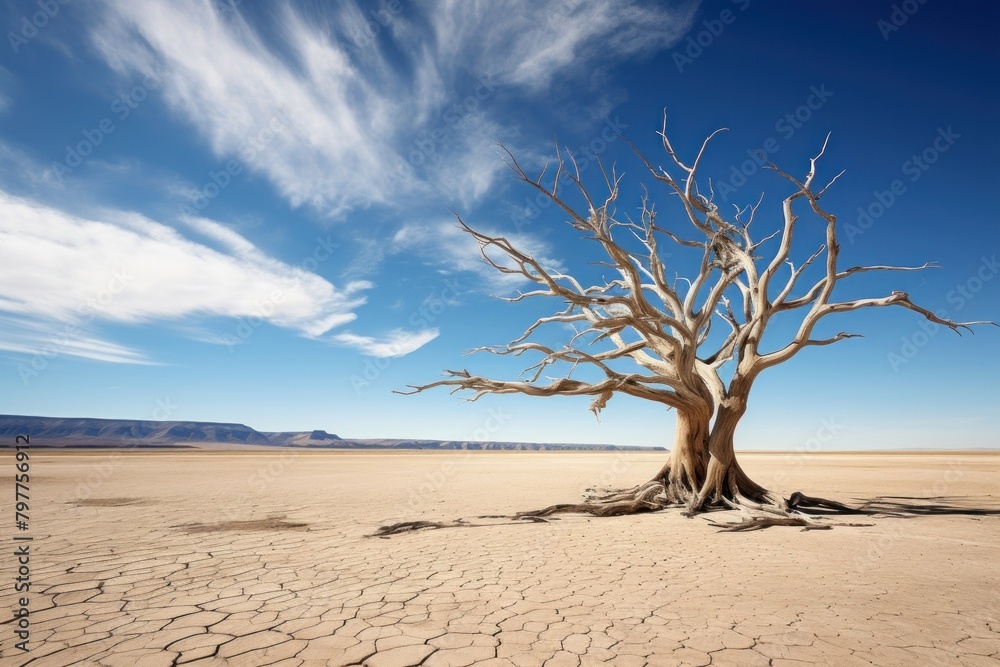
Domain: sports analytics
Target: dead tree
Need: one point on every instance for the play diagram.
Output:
(661, 327)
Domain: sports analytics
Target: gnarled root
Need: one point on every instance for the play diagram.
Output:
(723, 486)
(756, 522)
(800, 501)
(405, 527)
(758, 516)
(727, 486)
(413, 526)
(645, 498)
(726, 483)
(762, 522)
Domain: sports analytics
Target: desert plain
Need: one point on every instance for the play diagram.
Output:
(263, 557)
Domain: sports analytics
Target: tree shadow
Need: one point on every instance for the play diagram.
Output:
(914, 506)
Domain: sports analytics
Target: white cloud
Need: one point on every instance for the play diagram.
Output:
(333, 118)
(534, 44)
(395, 344)
(72, 272)
(48, 340)
(316, 127)
(18, 166)
(446, 246)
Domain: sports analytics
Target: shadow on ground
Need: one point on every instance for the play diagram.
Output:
(914, 506)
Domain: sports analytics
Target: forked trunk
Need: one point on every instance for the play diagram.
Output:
(701, 471)
(684, 472)
(725, 480)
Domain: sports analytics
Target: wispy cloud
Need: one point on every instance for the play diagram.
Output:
(20, 167)
(66, 270)
(352, 120)
(395, 344)
(334, 120)
(445, 245)
(534, 44)
(48, 339)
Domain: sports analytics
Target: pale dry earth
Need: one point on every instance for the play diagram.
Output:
(259, 558)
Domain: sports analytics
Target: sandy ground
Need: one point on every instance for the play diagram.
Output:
(259, 558)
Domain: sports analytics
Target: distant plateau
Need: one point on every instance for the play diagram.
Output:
(82, 432)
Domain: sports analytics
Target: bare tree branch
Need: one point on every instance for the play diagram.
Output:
(644, 335)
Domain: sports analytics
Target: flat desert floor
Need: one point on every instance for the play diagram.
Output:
(261, 558)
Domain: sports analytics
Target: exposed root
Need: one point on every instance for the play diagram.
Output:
(762, 522)
(594, 509)
(405, 527)
(733, 491)
(645, 498)
(758, 516)
(805, 512)
(799, 501)
(725, 482)
(413, 526)
(745, 503)
(613, 495)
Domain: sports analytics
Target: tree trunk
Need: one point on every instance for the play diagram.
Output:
(725, 480)
(702, 470)
(684, 472)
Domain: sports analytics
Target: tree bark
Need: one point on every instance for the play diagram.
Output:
(725, 480)
(684, 472)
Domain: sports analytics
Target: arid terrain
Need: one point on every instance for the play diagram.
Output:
(147, 558)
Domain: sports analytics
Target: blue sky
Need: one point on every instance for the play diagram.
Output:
(240, 211)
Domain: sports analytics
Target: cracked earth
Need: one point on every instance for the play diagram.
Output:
(260, 559)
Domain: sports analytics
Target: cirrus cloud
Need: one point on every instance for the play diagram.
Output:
(373, 119)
